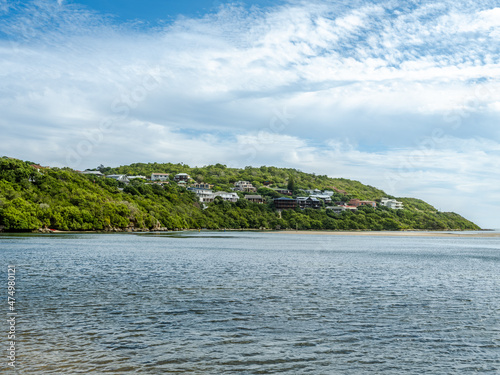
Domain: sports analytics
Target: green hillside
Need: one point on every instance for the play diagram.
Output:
(64, 199)
(224, 177)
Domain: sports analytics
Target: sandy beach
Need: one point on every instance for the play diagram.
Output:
(479, 234)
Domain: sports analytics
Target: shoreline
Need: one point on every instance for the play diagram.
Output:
(449, 234)
(407, 233)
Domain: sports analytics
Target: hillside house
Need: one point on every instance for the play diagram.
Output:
(340, 209)
(244, 186)
(204, 195)
(207, 195)
(95, 173)
(254, 198)
(182, 177)
(312, 191)
(201, 185)
(229, 197)
(285, 203)
(119, 177)
(323, 197)
(159, 176)
(358, 202)
(391, 203)
(308, 202)
(282, 191)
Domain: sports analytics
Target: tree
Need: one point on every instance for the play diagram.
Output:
(291, 184)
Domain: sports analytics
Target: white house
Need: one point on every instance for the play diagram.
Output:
(132, 177)
(391, 203)
(340, 209)
(207, 195)
(244, 186)
(96, 173)
(204, 195)
(230, 197)
(315, 191)
(159, 176)
(119, 177)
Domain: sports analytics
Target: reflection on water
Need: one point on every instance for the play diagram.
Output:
(255, 303)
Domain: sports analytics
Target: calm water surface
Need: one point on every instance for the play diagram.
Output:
(254, 303)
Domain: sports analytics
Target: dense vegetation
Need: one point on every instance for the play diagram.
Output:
(67, 200)
(224, 177)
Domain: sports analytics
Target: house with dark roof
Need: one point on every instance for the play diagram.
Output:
(182, 177)
(308, 202)
(284, 203)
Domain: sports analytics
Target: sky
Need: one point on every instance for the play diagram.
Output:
(400, 95)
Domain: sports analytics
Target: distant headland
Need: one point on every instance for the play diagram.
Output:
(167, 196)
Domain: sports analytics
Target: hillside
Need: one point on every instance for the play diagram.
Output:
(32, 198)
(224, 177)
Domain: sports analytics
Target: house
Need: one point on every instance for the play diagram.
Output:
(312, 192)
(132, 177)
(282, 191)
(207, 195)
(267, 183)
(337, 209)
(340, 209)
(159, 176)
(285, 203)
(323, 197)
(204, 195)
(244, 186)
(308, 202)
(36, 166)
(229, 197)
(328, 192)
(95, 173)
(254, 198)
(182, 183)
(391, 203)
(119, 177)
(358, 202)
(182, 177)
(201, 185)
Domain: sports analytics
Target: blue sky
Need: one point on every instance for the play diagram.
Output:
(154, 12)
(399, 95)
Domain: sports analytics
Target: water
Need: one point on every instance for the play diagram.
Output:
(254, 303)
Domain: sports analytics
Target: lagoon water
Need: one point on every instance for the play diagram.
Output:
(254, 303)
